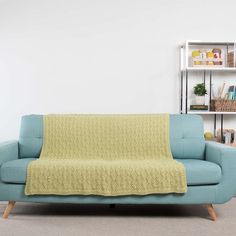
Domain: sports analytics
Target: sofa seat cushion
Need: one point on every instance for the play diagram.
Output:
(199, 172)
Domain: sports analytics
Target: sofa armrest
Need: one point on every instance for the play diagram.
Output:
(225, 157)
(8, 151)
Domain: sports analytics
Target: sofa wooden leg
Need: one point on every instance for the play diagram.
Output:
(211, 211)
(8, 209)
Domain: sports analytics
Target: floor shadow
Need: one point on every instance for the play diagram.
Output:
(105, 210)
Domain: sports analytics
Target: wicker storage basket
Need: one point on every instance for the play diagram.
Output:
(223, 105)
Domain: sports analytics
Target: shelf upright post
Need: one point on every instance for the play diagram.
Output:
(226, 56)
(210, 90)
(181, 78)
(204, 77)
(214, 125)
(181, 92)
(186, 55)
(186, 75)
(221, 127)
(186, 92)
(234, 56)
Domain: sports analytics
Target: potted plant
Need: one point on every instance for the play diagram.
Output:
(200, 91)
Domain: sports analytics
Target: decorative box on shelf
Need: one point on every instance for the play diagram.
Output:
(223, 105)
(231, 59)
(199, 55)
(210, 57)
(209, 62)
(232, 144)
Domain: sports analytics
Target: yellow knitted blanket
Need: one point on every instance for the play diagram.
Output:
(107, 155)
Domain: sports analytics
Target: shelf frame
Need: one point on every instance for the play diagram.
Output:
(185, 71)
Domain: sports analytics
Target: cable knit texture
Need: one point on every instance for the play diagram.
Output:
(107, 155)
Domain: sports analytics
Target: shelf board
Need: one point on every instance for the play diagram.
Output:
(198, 42)
(208, 59)
(212, 112)
(233, 69)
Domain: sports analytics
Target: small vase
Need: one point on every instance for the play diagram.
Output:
(200, 100)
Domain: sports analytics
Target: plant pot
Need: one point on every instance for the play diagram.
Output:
(200, 100)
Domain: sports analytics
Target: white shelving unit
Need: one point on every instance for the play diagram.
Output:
(187, 68)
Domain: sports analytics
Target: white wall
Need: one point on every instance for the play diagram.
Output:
(106, 56)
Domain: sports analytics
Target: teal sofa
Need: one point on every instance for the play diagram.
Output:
(210, 168)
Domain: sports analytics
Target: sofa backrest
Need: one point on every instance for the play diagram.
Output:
(186, 136)
(31, 136)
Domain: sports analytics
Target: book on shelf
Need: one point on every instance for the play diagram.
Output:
(232, 92)
(199, 107)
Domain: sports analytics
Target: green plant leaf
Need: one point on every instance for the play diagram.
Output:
(200, 89)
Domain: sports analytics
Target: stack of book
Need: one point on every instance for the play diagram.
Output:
(199, 107)
(232, 93)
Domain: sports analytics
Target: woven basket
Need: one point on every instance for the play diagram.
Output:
(223, 105)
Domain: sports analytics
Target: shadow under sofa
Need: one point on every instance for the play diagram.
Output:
(210, 168)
